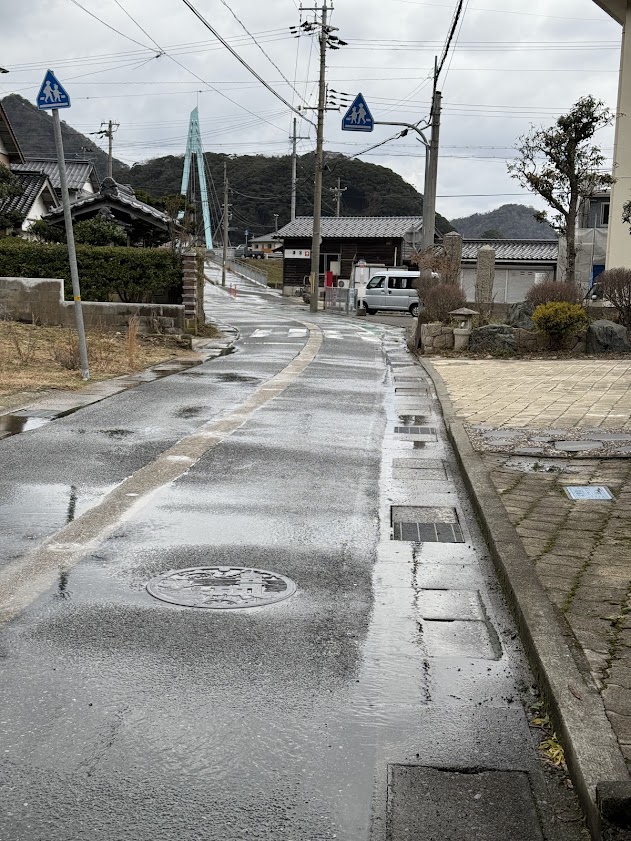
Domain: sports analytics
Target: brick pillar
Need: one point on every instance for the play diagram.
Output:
(452, 243)
(189, 290)
(485, 276)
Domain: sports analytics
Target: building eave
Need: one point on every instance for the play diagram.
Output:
(615, 8)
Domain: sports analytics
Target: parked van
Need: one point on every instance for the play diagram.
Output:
(392, 290)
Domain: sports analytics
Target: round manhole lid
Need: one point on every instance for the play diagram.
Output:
(221, 588)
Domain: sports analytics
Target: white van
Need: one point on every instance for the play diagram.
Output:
(391, 290)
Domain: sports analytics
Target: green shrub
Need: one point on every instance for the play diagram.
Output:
(558, 320)
(134, 274)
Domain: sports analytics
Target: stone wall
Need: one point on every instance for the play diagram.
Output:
(436, 337)
(41, 300)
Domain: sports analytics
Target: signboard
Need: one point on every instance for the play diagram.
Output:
(358, 116)
(597, 492)
(51, 94)
(297, 253)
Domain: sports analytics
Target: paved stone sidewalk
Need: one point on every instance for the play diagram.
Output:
(567, 393)
(581, 549)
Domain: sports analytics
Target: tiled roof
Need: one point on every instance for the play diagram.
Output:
(8, 138)
(78, 172)
(115, 193)
(32, 183)
(353, 227)
(267, 238)
(514, 250)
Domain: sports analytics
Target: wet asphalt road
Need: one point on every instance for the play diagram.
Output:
(125, 717)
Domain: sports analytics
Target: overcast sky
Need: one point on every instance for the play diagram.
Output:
(510, 68)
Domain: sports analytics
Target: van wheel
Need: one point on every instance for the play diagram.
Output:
(369, 311)
(414, 310)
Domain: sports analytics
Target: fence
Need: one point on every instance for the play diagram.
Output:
(340, 300)
(241, 268)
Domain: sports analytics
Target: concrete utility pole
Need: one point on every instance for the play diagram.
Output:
(109, 133)
(337, 192)
(226, 221)
(276, 223)
(294, 161)
(317, 198)
(431, 176)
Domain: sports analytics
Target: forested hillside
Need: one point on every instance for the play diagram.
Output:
(510, 221)
(260, 187)
(34, 131)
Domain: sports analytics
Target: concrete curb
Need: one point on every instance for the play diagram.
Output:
(592, 752)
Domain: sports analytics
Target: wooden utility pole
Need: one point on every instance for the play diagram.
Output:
(226, 222)
(337, 192)
(109, 133)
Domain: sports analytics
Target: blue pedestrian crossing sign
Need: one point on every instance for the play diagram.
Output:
(51, 94)
(358, 116)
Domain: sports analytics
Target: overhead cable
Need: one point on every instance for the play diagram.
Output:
(117, 31)
(210, 28)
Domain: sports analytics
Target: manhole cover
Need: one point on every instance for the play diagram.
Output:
(221, 588)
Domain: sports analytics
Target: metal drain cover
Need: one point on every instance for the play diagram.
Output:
(221, 588)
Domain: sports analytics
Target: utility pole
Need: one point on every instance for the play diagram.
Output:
(109, 133)
(431, 176)
(276, 223)
(317, 197)
(226, 221)
(294, 161)
(337, 192)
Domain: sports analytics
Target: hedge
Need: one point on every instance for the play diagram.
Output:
(134, 274)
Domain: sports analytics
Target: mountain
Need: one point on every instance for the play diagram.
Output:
(260, 188)
(510, 221)
(34, 131)
(259, 184)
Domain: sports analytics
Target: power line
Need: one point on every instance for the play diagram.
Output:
(117, 31)
(144, 31)
(203, 20)
(271, 60)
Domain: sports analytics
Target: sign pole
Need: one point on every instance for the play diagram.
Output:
(72, 254)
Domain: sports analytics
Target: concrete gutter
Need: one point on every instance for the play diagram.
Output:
(595, 762)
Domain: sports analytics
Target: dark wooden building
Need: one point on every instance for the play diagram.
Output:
(390, 240)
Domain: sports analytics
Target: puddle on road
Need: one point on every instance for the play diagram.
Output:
(189, 412)
(237, 378)
(14, 424)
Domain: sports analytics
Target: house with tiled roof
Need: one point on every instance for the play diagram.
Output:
(144, 224)
(81, 175)
(35, 201)
(37, 196)
(346, 240)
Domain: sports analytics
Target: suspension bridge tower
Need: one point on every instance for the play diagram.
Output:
(194, 149)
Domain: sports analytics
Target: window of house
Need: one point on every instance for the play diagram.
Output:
(605, 214)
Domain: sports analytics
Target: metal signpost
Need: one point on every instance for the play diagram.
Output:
(52, 97)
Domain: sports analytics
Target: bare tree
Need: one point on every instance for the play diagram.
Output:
(615, 285)
(561, 165)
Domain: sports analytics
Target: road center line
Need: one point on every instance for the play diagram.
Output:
(23, 580)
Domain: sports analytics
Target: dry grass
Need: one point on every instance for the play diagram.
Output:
(41, 358)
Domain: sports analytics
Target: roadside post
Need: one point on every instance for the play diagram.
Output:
(51, 97)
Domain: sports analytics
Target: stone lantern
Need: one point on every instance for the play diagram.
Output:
(462, 333)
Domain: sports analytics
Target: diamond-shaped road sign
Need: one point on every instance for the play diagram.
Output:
(358, 116)
(51, 94)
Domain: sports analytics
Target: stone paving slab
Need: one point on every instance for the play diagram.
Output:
(541, 426)
(563, 393)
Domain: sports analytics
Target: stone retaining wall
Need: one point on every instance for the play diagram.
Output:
(435, 336)
(41, 300)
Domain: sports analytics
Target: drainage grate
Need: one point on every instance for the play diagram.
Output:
(221, 588)
(428, 532)
(415, 430)
(420, 524)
